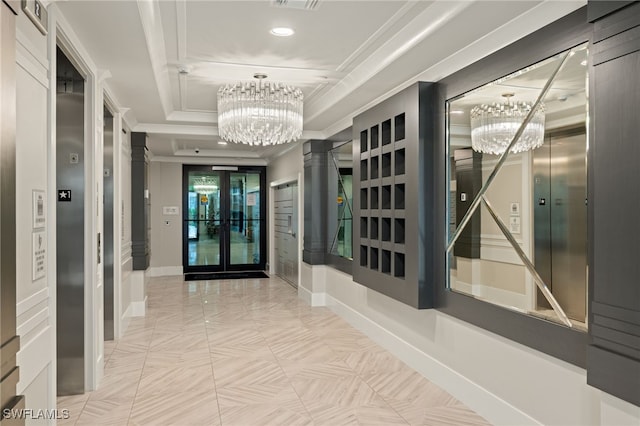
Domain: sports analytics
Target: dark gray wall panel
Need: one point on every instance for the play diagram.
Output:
(614, 205)
(315, 201)
(394, 207)
(140, 202)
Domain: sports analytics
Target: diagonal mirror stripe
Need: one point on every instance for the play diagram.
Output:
(529, 265)
(503, 157)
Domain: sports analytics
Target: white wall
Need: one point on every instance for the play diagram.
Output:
(35, 318)
(503, 381)
(165, 189)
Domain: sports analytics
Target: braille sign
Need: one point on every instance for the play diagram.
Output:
(64, 195)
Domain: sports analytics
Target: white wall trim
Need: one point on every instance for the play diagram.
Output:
(138, 309)
(313, 299)
(165, 271)
(491, 407)
(31, 301)
(30, 358)
(29, 62)
(31, 323)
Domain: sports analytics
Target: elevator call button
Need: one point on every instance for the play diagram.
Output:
(64, 195)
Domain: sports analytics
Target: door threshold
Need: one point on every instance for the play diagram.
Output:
(227, 275)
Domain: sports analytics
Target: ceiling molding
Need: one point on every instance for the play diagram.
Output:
(191, 130)
(154, 37)
(194, 116)
(176, 129)
(424, 24)
(384, 28)
(522, 25)
(216, 153)
(217, 161)
(181, 38)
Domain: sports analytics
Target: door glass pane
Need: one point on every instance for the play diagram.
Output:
(203, 218)
(244, 215)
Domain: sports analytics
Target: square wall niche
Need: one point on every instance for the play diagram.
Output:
(395, 165)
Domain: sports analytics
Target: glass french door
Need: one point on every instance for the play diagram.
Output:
(224, 218)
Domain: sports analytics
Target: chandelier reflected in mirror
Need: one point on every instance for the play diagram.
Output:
(259, 112)
(494, 126)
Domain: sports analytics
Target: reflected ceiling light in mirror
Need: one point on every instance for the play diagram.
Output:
(259, 113)
(205, 189)
(494, 126)
(282, 31)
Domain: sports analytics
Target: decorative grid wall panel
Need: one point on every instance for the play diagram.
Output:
(391, 152)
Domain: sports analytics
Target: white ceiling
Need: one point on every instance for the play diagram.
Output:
(345, 55)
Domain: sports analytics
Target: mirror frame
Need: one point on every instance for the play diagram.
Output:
(553, 339)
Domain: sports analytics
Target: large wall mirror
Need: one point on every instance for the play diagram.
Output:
(340, 201)
(517, 167)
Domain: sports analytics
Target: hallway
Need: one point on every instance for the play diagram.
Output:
(250, 352)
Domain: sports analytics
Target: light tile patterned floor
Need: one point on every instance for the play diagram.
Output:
(250, 352)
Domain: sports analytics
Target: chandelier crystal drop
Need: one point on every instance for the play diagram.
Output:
(494, 126)
(259, 113)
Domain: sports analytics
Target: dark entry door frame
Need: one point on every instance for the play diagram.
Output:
(226, 222)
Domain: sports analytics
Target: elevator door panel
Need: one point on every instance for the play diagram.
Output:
(108, 226)
(70, 179)
(560, 220)
(569, 224)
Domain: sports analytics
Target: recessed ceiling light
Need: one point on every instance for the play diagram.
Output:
(222, 142)
(282, 31)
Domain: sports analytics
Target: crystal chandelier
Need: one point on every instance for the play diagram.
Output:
(259, 113)
(494, 126)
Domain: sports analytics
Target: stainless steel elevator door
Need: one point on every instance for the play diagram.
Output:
(108, 260)
(560, 220)
(70, 176)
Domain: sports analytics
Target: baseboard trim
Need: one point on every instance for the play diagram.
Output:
(313, 299)
(491, 407)
(138, 309)
(165, 271)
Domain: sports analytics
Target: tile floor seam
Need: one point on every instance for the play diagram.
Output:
(133, 403)
(213, 374)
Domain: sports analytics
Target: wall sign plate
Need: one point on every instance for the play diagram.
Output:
(64, 195)
(36, 11)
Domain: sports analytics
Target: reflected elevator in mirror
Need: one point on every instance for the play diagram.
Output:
(560, 219)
